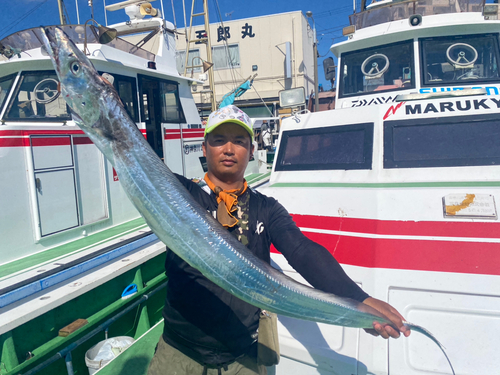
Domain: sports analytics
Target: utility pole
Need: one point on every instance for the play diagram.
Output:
(315, 59)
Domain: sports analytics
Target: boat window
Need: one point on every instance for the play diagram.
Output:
(127, 89)
(463, 60)
(37, 97)
(335, 147)
(180, 59)
(379, 69)
(5, 85)
(447, 142)
(226, 57)
(171, 109)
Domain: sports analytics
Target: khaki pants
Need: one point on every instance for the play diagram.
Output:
(169, 361)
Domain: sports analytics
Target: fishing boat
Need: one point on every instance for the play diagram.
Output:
(400, 182)
(78, 264)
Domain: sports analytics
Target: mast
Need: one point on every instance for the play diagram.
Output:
(209, 57)
(62, 19)
(206, 40)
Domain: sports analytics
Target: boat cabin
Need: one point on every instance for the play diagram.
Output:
(416, 46)
(64, 214)
(400, 182)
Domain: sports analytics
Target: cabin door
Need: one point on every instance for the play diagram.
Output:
(149, 89)
(54, 168)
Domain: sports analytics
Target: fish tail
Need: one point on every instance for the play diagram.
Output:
(425, 332)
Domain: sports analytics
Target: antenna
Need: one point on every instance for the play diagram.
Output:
(91, 5)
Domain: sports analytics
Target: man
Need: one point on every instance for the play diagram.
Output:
(207, 330)
(266, 136)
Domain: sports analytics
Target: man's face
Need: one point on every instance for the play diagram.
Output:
(228, 149)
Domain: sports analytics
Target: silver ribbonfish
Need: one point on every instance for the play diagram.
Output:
(175, 217)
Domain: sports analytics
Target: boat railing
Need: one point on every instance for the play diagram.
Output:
(392, 11)
(28, 39)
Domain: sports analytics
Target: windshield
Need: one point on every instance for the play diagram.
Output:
(335, 147)
(25, 40)
(384, 68)
(460, 60)
(37, 96)
(442, 142)
(5, 84)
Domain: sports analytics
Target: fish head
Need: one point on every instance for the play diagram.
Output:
(82, 87)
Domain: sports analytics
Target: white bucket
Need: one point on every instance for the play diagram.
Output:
(103, 352)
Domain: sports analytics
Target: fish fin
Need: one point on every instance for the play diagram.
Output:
(425, 332)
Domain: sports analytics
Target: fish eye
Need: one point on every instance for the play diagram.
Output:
(75, 67)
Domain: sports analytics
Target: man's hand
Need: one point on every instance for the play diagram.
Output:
(392, 314)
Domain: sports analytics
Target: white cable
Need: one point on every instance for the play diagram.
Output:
(185, 22)
(78, 14)
(105, 14)
(173, 11)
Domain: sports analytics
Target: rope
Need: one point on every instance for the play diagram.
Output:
(232, 71)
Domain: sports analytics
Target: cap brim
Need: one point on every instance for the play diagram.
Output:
(230, 121)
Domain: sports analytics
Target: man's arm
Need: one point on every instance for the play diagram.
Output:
(310, 259)
(322, 271)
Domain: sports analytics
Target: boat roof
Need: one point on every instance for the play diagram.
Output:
(383, 11)
(29, 39)
(132, 39)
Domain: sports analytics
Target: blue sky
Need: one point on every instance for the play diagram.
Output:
(329, 16)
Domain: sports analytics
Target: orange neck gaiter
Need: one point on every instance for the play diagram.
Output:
(227, 200)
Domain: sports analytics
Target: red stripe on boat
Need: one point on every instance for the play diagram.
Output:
(400, 227)
(407, 254)
(50, 141)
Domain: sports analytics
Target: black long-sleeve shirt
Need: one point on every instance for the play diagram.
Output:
(212, 326)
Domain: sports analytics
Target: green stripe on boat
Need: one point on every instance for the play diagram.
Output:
(81, 244)
(388, 184)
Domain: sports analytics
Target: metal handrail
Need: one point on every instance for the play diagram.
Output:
(66, 352)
